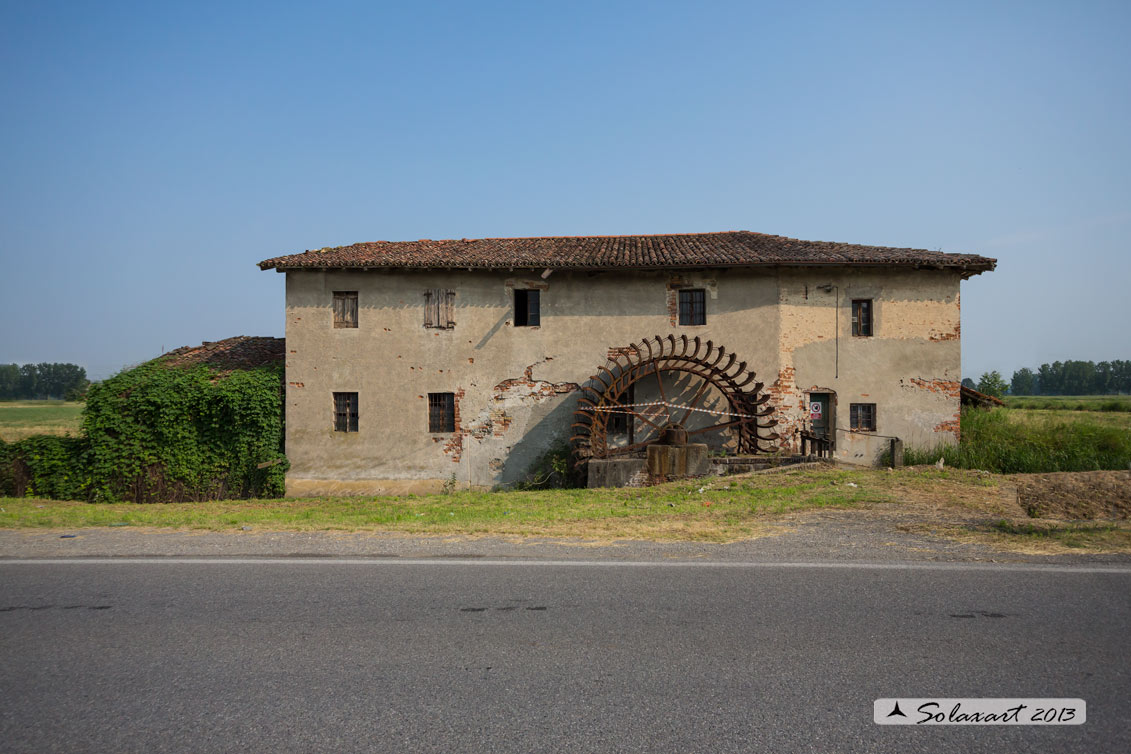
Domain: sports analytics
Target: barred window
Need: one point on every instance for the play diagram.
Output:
(345, 308)
(345, 412)
(862, 316)
(693, 307)
(439, 308)
(527, 307)
(862, 416)
(441, 412)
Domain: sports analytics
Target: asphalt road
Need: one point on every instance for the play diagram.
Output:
(449, 655)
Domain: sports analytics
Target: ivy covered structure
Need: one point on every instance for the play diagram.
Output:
(198, 423)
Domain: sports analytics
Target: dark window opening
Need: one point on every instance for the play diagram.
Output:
(439, 308)
(862, 416)
(861, 316)
(345, 412)
(620, 420)
(345, 308)
(441, 412)
(527, 312)
(693, 307)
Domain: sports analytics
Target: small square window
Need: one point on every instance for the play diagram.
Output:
(345, 308)
(862, 316)
(441, 412)
(862, 416)
(693, 307)
(345, 412)
(527, 308)
(439, 308)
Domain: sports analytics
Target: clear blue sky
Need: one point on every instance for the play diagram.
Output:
(153, 152)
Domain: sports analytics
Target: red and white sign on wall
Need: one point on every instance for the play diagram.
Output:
(814, 410)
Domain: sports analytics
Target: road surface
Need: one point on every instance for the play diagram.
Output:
(397, 654)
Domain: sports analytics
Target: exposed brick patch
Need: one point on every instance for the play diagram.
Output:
(783, 395)
(951, 425)
(296, 384)
(954, 334)
(949, 388)
(495, 464)
(615, 351)
(454, 444)
(526, 387)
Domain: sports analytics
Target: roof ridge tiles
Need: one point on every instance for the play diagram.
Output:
(733, 248)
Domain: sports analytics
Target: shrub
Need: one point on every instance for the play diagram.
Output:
(45, 466)
(169, 434)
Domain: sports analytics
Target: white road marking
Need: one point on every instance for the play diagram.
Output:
(463, 562)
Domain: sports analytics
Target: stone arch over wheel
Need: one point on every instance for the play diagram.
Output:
(669, 382)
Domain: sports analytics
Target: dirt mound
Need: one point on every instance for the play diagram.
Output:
(240, 352)
(1075, 494)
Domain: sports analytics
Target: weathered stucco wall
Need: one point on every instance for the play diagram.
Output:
(516, 387)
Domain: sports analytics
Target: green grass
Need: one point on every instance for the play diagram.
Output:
(20, 419)
(1119, 403)
(726, 509)
(1008, 441)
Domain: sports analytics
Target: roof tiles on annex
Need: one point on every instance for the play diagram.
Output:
(737, 248)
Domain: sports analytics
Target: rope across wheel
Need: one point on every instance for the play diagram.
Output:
(660, 363)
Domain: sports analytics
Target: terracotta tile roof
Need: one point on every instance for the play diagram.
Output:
(240, 352)
(739, 248)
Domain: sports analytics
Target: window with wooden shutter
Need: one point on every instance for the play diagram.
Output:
(862, 316)
(439, 308)
(345, 308)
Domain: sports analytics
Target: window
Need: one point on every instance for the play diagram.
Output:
(693, 307)
(861, 316)
(862, 416)
(526, 308)
(345, 308)
(439, 305)
(620, 419)
(441, 412)
(345, 412)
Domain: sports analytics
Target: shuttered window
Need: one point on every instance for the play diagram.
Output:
(345, 308)
(862, 316)
(862, 416)
(439, 308)
(441, 412)
(527, 307)
(345, 412)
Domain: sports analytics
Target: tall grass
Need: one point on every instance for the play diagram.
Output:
(992, 441)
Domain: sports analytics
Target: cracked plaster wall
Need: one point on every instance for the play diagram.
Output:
(516, 387)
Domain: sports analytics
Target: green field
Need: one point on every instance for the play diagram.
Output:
(20, 419)
(1070, 402)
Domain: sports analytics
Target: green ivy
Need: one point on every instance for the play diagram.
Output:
(162, 434)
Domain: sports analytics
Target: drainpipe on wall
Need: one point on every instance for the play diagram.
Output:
(827, 287)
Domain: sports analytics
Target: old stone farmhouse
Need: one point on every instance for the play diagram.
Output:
(410, 364)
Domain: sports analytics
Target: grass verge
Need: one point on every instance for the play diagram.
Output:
(719, 510)
(1119, 403)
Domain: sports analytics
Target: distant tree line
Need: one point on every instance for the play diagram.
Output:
(1073, 378)
(38, 381)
